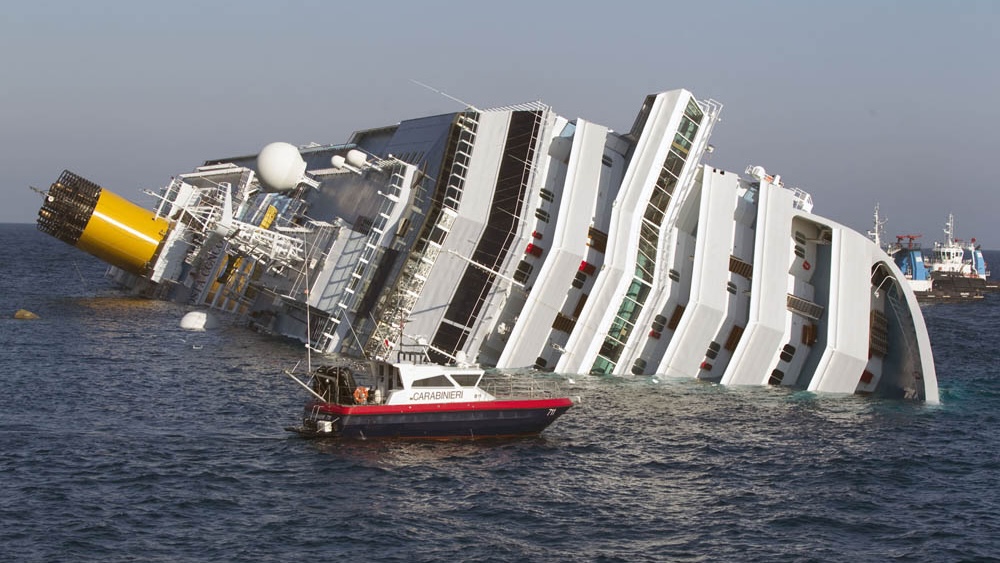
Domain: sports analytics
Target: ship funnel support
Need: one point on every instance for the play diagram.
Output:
(281, 168)
(99, 222)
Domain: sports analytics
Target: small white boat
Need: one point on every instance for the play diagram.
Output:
(412, 399)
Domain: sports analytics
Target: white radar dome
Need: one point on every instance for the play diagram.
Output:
(280, 166)
(356, 158)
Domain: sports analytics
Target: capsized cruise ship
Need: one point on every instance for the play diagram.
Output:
(518, 238)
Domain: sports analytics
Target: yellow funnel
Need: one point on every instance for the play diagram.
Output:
(102, 223)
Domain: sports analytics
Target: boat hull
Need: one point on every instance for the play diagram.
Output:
(489, 419)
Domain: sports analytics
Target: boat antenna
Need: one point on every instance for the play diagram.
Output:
(310, 246)
(449, 96)
(83, 280)
(356, 339)
(308, 330)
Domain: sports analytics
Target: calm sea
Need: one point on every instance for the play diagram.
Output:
(124, 438)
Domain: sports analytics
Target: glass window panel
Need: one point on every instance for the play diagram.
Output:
(693, 110)
(674, 163)
(653, 214)
(688, 128)
(660, 199)
(667, 182)
(602, 366)
(639, 292)
(620, 328)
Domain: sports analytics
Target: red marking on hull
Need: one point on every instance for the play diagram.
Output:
(504, 405)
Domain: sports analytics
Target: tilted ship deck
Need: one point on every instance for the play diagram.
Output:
(518, 238)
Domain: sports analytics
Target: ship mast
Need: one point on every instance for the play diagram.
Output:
(949, 230)
(876, 233)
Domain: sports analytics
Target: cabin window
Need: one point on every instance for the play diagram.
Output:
(731, 287)
(734, 338)
(800, 251)
(542, 215)
(675, 319)
(606, 161)
(547, 195)
(436, 381)
(809, 334)
(523, 271)
(465, 379)
(579, 279)
(787, 352)
(598, 240)
(579, 306)
(674, 275)
(438, 235)
(713, 350)
(776, 377)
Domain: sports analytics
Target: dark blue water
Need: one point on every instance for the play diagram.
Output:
(124, 438)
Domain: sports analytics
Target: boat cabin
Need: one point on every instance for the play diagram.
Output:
(377, 382)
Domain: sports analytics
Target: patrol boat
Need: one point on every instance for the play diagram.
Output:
(413, 398)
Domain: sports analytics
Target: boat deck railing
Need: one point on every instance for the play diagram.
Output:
(512, 387)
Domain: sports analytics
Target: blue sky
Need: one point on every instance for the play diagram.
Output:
(856, 102)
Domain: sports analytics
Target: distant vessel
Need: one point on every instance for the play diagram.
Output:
(945, 275)
(523, 239)
(410, 398)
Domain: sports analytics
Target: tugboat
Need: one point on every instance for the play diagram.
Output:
(412, 398)
(945, 275)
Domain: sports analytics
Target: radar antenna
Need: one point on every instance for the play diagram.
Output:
(449, 96)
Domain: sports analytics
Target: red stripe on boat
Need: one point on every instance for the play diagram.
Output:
(523, 404)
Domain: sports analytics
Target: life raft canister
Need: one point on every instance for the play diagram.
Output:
(806, 265)
(360, 395)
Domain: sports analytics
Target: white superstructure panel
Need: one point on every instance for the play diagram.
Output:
(467, 228)
(583, 174)
(757, 352)
(709, 299)
(623, 233)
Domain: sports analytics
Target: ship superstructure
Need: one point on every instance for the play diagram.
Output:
(518, 238)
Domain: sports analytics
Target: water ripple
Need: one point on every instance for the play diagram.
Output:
(127, 439)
